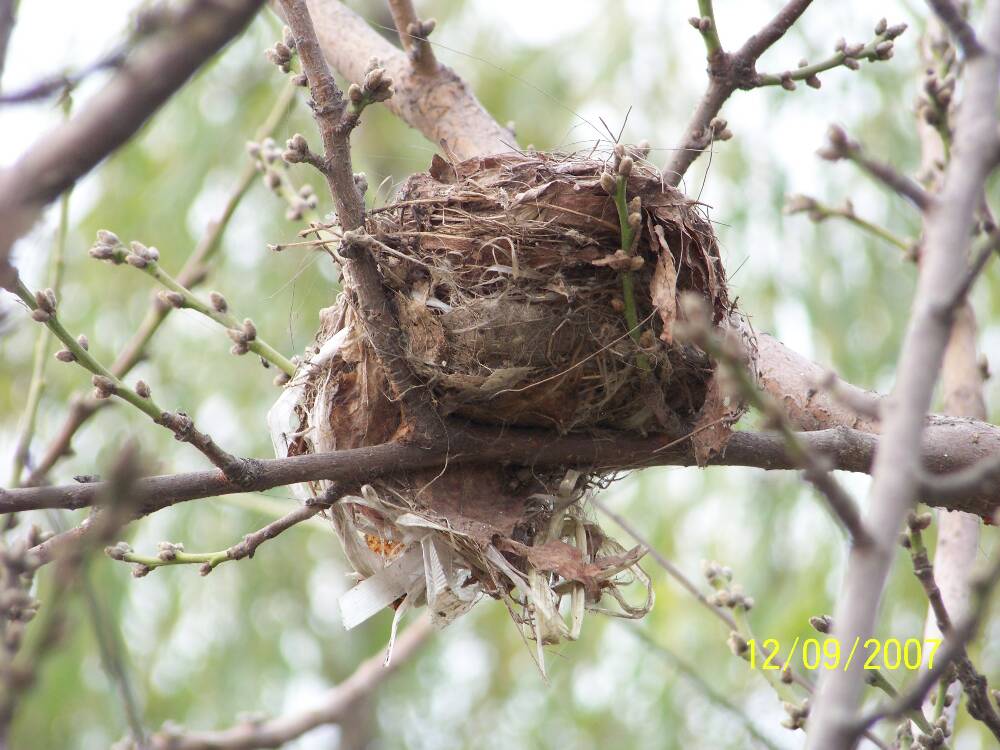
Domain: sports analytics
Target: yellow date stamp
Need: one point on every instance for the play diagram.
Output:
(890, 654)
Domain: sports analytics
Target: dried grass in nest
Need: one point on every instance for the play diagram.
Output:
(503, 273)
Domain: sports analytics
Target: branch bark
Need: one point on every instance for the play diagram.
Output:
(376, 309)
(439, 105)
(727, 72)
(948, 225)
(152, 73)
(949, 444)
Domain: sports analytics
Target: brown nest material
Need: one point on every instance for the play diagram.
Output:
(507, 276)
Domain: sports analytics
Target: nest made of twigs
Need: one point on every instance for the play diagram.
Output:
(510, 296)
(506, 276)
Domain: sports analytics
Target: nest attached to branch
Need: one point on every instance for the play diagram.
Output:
(507, 277)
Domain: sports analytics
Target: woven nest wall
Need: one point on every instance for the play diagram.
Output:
(507, 276)
(509, 292)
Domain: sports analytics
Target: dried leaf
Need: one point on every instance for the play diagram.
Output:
(712, 429)
(663, 287)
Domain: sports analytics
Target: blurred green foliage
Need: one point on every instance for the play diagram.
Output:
(263, 635)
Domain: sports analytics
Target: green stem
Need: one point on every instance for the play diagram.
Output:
(211, 559)
(880, 232)
(87, 360)
(939, 701)
(40, 359)
(193, 271)
(881, 682)
(713, 45)
(627, 280)
(226, 319)
(834, 61)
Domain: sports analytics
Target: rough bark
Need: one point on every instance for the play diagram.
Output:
(440, 105)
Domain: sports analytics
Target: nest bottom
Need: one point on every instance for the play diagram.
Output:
(448, 539)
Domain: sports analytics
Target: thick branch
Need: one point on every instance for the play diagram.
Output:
(153, 72)
(441, 105)
(948, 445)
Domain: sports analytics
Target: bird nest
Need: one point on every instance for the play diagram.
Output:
(513, 293)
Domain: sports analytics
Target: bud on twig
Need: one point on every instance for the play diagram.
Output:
(821, 623)
(296, 149)
(104, 387)
(219, 303)
(118, 551)
(172, 298)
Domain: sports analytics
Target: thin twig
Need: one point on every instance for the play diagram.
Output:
(950, 652)
(63, 82)
(174, 554)
(331, 707)
(413, 35)
(43, 307)
(22, 450)
(842, 147)
(726, 71)
(815, 468)
(147, 259)
(980, 704)
(192, 274)
(819, 212)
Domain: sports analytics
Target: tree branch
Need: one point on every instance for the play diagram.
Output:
(725, 72)
(153, 72)
(441, 105)
(377, 312)
(174, 554)
(842, 147)
(949, 444)
(948, 229)
(728, 72)
(413, 35)
(192, 274)
(332, 708)
(980, 705)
